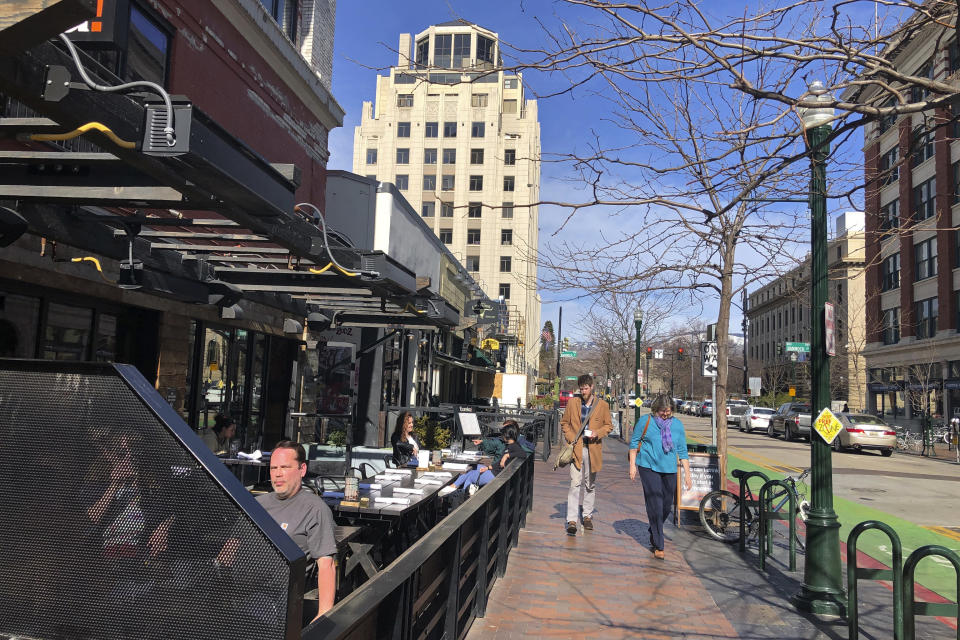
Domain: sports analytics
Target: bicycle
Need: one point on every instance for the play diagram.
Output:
(908, 440)
(720, 510)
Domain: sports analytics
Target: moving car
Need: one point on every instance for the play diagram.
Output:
(792, 419)
(862, 431)
(756, 418)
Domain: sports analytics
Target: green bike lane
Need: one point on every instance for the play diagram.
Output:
(935, 574)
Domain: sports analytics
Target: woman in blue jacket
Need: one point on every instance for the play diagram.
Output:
(662, 441)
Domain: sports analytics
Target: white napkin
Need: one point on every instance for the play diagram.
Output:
(456, 466)
(405, 490)
(256, 455)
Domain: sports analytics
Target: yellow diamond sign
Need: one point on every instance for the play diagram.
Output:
(638, 402)
(827, 425)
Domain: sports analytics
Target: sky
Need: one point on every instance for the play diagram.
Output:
(367, 35)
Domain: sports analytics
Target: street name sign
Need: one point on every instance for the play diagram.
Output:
(827, 425)
(568, 354)
(803, 347)
(570, 378)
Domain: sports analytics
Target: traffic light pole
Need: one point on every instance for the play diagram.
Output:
(638, 324)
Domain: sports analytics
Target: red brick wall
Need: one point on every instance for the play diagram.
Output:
(872, 246)
(945, 246)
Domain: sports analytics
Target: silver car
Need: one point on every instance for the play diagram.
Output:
(756, 418)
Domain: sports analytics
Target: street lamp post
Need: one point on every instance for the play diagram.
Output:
(822, 591)
(638, 323)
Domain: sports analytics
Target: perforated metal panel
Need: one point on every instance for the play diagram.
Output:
(111, 527)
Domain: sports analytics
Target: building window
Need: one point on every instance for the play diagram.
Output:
(446, 209)
(476, 156)
(429, 156)
(403, 129)
(446, 236)
(477, 129)
(473, 263)
(510, 83)
(924, 200)
(890, 273)
(478, 100)
(447, 182)
(890, 119)
(405, 78)
(461, 50)
(427, 209)
(449, 156)
(507, 210)
(423, 52)
(890, 215)
(442, 47)
(504, 291)
(510, 157)
(484, 49)
(146, 56)
(922, 146)
(449, 129)
(473, 236)
(474, 210)
(890, 167)
(371, 156)
(505, 264)
(953, 57)
(404, 99)
(925, 254)
(509, 106)
(918, 93)
(431, 129)
(508, 183)
(476, 183)
(429, 182)
(402, 182)
(403, 156)
(926, 316)
(506, 236)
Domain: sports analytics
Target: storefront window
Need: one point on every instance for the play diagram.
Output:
(19, 319)
(392, 360)
(68, 333)
(215, 392)
(106, 350)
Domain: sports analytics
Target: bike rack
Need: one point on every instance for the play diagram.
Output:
(744, 479)
(766, 531)
(913, 608)
(855, 573)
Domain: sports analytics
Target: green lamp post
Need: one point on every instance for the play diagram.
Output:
(638, 389)
(822, 591)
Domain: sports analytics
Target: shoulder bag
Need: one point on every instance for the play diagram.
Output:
(642, 436)
(565, 456)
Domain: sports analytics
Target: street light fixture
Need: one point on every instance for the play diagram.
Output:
(638, 322)
(822, 591)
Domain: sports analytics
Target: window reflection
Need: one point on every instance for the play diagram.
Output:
(19, 319)
(68, 332)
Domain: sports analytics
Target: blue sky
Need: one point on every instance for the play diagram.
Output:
(367, 34)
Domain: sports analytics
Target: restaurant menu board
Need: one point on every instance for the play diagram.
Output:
(705, 471)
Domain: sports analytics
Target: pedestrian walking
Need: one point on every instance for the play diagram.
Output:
(661, 441)
(593, 415)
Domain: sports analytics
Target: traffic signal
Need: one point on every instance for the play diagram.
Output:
(566, 344)
(679, 353)
(779, 349)
(649, 352)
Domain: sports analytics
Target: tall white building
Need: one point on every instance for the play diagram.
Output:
(461, 142)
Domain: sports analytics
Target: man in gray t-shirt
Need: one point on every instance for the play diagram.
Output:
(304, 516)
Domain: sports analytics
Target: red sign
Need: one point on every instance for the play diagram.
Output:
(829, 325)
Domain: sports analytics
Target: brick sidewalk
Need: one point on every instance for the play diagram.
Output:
(607, 584)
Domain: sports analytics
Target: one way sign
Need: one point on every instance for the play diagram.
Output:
(708, 356)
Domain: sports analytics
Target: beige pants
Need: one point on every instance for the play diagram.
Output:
(582, 486)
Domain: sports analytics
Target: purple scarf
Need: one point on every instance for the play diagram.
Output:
(666, 438)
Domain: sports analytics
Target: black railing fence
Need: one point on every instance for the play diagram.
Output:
(119, 523)
(439, 585)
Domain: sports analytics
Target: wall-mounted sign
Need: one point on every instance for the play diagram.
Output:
(484, 312)
(110, 24)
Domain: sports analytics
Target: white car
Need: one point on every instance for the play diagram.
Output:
(756, 418)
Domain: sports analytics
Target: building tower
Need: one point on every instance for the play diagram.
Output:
(459, 140)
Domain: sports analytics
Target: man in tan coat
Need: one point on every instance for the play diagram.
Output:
(583, 471)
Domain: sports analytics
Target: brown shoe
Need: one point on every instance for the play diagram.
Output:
(572, 528)
(658, 553)
(587, 523)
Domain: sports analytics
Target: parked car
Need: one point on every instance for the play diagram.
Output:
(792, 419)
(565, 398)
(705, 408)
(688, 407)
(756, 418)
(863, 431)
(735, 411)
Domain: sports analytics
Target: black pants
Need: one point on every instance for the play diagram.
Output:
(659, 493)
